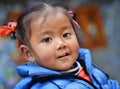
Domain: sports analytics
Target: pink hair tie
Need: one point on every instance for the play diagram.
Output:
(7, 30)
(70, 13)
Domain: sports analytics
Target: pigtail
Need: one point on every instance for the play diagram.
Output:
(9, 30)
(76, 26)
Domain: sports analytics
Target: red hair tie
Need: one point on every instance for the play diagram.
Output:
(7, 30)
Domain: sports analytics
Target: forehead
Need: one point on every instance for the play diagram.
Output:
(51, 21)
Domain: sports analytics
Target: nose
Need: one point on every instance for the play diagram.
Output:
(60, 44)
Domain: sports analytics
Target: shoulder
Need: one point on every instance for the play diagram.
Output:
(85, 56)
(84, 53)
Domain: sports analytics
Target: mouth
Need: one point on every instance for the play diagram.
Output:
(63, 56)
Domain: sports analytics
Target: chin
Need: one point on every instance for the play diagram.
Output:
(65, 67)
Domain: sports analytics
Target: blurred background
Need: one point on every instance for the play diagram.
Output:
(99, 22)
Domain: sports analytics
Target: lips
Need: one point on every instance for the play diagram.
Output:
(64, 55)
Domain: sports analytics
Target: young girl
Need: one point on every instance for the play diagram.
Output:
(48, 39)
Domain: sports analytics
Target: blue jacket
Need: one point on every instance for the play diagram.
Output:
(99, 79)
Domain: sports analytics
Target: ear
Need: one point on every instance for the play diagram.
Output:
(26, 52)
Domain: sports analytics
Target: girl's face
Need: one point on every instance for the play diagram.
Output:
(54, 42)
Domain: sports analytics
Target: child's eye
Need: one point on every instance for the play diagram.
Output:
(67, 35)
(47, 40)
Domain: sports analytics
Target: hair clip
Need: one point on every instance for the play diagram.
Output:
(7, 30)
(71, 13)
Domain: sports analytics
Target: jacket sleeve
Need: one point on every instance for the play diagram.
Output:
(112, 84)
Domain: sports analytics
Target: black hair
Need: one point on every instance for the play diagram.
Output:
(22, 30)
(36, 10)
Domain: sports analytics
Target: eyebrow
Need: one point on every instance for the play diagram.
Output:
(49, 32)
(44, 33)
(66, 27)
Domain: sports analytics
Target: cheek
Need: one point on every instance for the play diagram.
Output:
(74, 43)
(43, 59)
(74, 47)
(45, 55)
